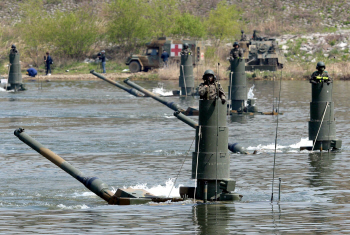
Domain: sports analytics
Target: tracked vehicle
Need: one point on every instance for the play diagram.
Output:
(262, 53)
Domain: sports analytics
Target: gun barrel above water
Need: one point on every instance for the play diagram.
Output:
(129, 90)
(171, 105)
(94, 184)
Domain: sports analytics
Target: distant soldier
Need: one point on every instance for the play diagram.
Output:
(320, 75)
(165, 58)
(236, 52)
(255, 37)
(186, 50)
(102, 58)
(13, 49)
(211, 89)
(243, 36)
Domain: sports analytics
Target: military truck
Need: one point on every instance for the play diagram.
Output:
(152, 56)
(262, 53)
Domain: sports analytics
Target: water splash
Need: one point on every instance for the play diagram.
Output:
(250, 92)
(281, 148)
(161, 190)
(160, 90)
(61, 206)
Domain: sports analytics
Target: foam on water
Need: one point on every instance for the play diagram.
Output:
(160, 190)
(3, 90)
(269, 147)
(160, 90)
(61, 206)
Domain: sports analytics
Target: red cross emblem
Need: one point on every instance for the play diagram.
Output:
(176, 49)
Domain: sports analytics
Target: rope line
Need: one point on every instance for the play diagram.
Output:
(319, 128)
(274, 155)
(199, 140)
(181, 167)
(183, 74)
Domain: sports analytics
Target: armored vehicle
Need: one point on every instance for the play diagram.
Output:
(154, 49)
(262, 53)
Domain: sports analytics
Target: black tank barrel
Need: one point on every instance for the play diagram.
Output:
(235, 148)
(94, 184)
(171, 105)
(130, 91)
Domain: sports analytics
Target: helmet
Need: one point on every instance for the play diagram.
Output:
(185, 45)
(208, 72)
(320, 64)
(242, 31)
(235, 44)
(103, 51)
(13, 46)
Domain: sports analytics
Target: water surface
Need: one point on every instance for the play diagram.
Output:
(137, 142)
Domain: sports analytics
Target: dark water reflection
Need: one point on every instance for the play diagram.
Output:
(129, 141)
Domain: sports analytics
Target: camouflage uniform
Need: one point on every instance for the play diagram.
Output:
(186, 51)
(203, 91)
(244, 37)
(236, 53)
(317, 77)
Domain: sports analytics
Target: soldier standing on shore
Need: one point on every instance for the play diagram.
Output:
(243, 36)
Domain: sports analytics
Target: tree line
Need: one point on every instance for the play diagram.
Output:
(123, 24)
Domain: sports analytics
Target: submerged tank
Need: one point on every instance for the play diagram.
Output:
(262, 53)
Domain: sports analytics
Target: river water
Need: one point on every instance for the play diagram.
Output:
(137, 142)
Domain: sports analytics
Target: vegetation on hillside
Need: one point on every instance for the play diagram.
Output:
(73, 30)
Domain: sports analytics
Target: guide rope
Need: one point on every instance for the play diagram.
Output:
(199, 140)
(319, 128)
(186, 154)
(274, 155)
(8, 76)
(183, 74)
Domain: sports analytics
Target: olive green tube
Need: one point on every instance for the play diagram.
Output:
(186, 80)
(130, 91)
(235, 148)
(94, 184)
(322, 121)
(15, 76)
(238, 84)
(171, 105)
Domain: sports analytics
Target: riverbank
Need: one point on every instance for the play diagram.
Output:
(291, 71)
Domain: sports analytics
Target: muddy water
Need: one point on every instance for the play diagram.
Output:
(128, 141)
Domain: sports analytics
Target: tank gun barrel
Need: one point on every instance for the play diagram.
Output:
(94, 184)
(185, 119)
(130, 91)
(235, 148)
(171, 105)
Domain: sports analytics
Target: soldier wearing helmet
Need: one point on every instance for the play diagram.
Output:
(321, 75)
(185, 49)
(13, 49)
(236, 52)
(211, 89)
(243, 36)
